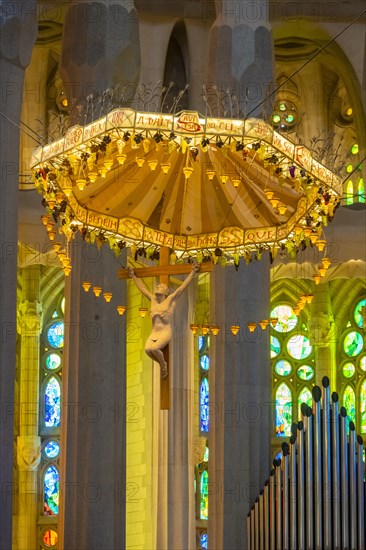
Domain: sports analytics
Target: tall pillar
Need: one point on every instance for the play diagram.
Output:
(240, 401)
(94, 450)
(28, 441)
(322, 333)
(240, 60)
(18, 27)
(93, 463)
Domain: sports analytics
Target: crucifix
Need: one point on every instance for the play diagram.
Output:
(162, 309)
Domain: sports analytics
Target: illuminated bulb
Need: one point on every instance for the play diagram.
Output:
(93, 176)
(66, 261)
(349, 111)
(297, 229)
(307, 231)
(57, 247)
(45, 219)
(121, 159)
(236, 182)
(67, 189)
(50, 225)
(121, 310)
(152, 164)
(210, 174)
(296, 310)
(103, 171)
(269, 194)
(59, 198)
(107, 296)
(309, 298)
(187, 171)
(322, 271)
(165, 167)
(326, 262)
(120, 145)
(235, 329)
(51, 203)
(274, 201)
(61, 255)
(108, 164)
(140, 161)
(313, 238)
(81, 183)
(215, 329)
(194, 328)
(143, 311)
(224, 178)
(273, 321)
(252, 327)
(67, 271)
(321, 244)
(303, 298)
(300, 305)
(52, 235)
(205, 329)
(264, 324)
(282, 208)
(97, 290)
(316, 279)
(86, 285)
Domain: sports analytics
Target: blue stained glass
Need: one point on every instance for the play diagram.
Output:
(55, 334)
(52, 449)
(275, 346)
(205, 362)
(52, 402)
(53, 361)
(51, 488)
(201, 342)
(204, 406)
(204, 541)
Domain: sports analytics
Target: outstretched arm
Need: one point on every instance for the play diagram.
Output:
(140, 285)
(183, 286)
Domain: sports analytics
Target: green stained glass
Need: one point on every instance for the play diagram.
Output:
(305, 397)
(55, 315)
(299, 347)
(276, 119)
(353, 343)
(349, 192)
(283, 368)
(287, 320)
(349, 168)
(360, 313)
(205, 458)
(361, 191)
(204, 495)
(282, 106)
(363, 406)
(283, 410)
(363, 363)
(53, 361)
(349, 402)
(289, 118)
(348, 370)
(275, 346)
(354, 149)
(305, 372)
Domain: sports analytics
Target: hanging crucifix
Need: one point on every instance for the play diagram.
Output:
(162, 309)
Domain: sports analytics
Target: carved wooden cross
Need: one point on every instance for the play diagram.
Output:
(164, 270)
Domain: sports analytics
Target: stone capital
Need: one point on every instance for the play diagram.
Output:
(29, 319)
(322, 329)
(28, 452)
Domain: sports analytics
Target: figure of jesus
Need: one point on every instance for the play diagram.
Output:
(161, 313)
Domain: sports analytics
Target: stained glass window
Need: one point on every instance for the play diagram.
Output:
(50, 537)
(349, 402)
(201, 343)
(361, 191)
(55, 334)
(363, 363)
(305, 397)
(204, 405)
(305, 372)
(52, 402)
(363, 407)
(205, 362)
(348, 370)
(349, 192)
(283, 410)
(353, 343)
(283, 368)
(53, 361)
(204, 541)
(360, 313)
(52, 449)
(287, 320)
(51, 488)
(275, 346)
(299, 347)
(204, 495)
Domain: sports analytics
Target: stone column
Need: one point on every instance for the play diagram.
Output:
(322, 334)
(18, 27)
(93, 464)
(28, 441)
(240, 401)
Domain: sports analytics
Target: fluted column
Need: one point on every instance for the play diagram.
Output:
(18, 27)
(240, 401)
(28, 441)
